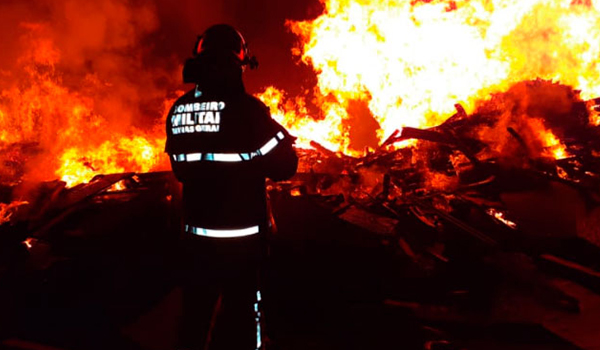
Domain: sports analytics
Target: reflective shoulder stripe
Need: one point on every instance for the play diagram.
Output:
(247, 231)
(272, 143)
(231, 157)
(269, 146)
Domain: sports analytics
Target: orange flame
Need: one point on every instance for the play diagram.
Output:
(381, 65)
(135, 154)
(73, 140)
(555, 148)
(411, 61)
(501, 217)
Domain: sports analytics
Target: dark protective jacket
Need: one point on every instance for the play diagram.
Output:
(222, 145)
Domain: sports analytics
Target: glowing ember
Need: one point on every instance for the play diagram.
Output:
(411, 61)
(501, 217)
(29, 243)
(117, 187)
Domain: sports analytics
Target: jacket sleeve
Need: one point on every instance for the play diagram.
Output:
(279, 160)
(282, 162)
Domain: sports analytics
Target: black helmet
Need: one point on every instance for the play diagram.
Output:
(220, 42)
(223, 38)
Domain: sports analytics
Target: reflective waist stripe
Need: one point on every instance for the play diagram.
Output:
(230, 157)
(222, 233)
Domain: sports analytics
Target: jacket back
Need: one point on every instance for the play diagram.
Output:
(222, 146)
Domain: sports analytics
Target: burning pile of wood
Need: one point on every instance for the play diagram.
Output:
(469, 159)
(472, 158)
(482, 189)
(488, 179)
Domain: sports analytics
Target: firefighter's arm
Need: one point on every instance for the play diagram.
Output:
(282, 162)
(278, 160)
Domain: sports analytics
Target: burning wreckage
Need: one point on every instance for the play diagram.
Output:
(484, 226)
(483, 218)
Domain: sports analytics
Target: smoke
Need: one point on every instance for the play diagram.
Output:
(94, 50)
(76, 74)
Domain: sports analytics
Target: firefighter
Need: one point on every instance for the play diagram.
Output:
(223, 144)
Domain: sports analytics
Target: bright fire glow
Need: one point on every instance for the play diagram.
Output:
(29, 243)
(501, 217)
(114, 156)
(412, 61)
(555, 147)
(380, 65)
(65, 133)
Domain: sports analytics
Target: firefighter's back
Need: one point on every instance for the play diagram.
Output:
(209, 137)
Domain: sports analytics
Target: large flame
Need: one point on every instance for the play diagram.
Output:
(69, 104)
(81, 143)
(412, 61)
(380, 65)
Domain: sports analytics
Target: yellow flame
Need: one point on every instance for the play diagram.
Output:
(125, 154)
(412, 61)
(556, 148)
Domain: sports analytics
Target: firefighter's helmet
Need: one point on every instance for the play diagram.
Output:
(226, 39)
(221, 42)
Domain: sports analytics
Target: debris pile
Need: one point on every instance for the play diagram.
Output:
(513, 188)
(515, 185)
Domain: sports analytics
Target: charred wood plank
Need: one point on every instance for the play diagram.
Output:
(448, 138)
(390, 140)
(425, 134)
(328, 152)
(73, 199)
(519, 139)
(463, 226)
(370, 221)
(571, 270)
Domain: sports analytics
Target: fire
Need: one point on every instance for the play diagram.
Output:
(501, 217)
(123, 154)
(75, 122)
(71, 104)
(29, 242)
(293, 115)
(555, 148)
(410, 62)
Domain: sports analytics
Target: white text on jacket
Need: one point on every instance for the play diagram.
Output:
(197, 117)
